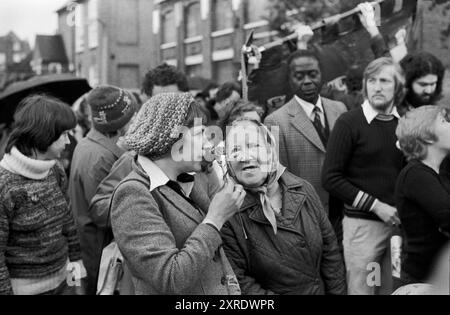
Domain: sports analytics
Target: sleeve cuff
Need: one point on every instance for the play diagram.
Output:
(364, 202)
(211, 224)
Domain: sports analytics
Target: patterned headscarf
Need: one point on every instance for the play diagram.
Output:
(274, 168)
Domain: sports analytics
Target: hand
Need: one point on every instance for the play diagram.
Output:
(388, 214)
(367, 18)
(225, 204)
(304, 33)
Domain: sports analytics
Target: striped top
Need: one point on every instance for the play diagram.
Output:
(37, 230)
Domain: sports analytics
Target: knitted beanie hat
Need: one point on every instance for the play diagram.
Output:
(155, 129)
(111, 107)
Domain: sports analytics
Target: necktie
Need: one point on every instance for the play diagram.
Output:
(317, 122)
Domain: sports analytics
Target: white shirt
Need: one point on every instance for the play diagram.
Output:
(309, 109)
(158, 178)
(370, 113)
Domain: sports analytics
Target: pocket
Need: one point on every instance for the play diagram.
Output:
(354, 230)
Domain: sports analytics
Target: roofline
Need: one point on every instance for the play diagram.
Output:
(66, 5)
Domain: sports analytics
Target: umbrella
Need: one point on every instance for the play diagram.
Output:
(198, 83)
(65, 87)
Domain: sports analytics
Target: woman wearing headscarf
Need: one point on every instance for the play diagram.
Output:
(281, 241)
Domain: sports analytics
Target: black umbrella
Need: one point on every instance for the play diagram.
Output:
(65, 87)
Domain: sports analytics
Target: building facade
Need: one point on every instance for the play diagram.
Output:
(15, 56)
(49, 55)
(205, 37)
(108, 41)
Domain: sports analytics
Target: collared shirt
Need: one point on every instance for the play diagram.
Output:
(370, 113)
(158, 178)
(309, 109)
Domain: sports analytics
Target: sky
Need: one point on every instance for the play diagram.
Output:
(29, 17)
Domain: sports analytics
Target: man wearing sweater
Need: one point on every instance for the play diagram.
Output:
(361, 168)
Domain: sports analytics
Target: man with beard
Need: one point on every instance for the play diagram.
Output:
(306, 121)
(424, 79)
(361, 168)
(424, 82)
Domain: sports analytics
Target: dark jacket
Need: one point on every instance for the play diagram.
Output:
(302, 259)
(92, 161)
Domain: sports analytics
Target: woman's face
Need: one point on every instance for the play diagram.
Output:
(248, 154)
(442, 130)
(56, 149)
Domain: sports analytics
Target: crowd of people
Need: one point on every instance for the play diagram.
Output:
(300, 199)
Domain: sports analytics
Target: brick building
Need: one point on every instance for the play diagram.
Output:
(108, 41)
(204, 37)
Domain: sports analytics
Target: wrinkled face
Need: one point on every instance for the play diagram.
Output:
(56, 149)
(305, 78)
(381, 89)
(442, 131)
(189, 151)
(424, 90)
(247, 154)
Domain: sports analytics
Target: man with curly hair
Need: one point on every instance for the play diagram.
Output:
(164, 79)
(424, 74)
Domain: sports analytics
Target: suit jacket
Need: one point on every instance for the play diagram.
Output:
(165, 245)
(300, 147)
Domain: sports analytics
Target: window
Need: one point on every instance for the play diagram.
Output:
(223, 15)
(17, 57)
(169, 31)
(54, 68)
(16, 46)
(79, 28)
(93, 75)
(93, 23)
(224, 71)
(256, 10)
(194, 71)
(128, 19)
(193, 20)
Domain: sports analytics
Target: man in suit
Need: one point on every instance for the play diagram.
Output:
(306, 121)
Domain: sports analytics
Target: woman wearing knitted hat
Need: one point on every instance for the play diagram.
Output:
(171, 244)
(281, 241)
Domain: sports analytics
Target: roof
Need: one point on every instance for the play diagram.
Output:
(67, 5)
(51, 48)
